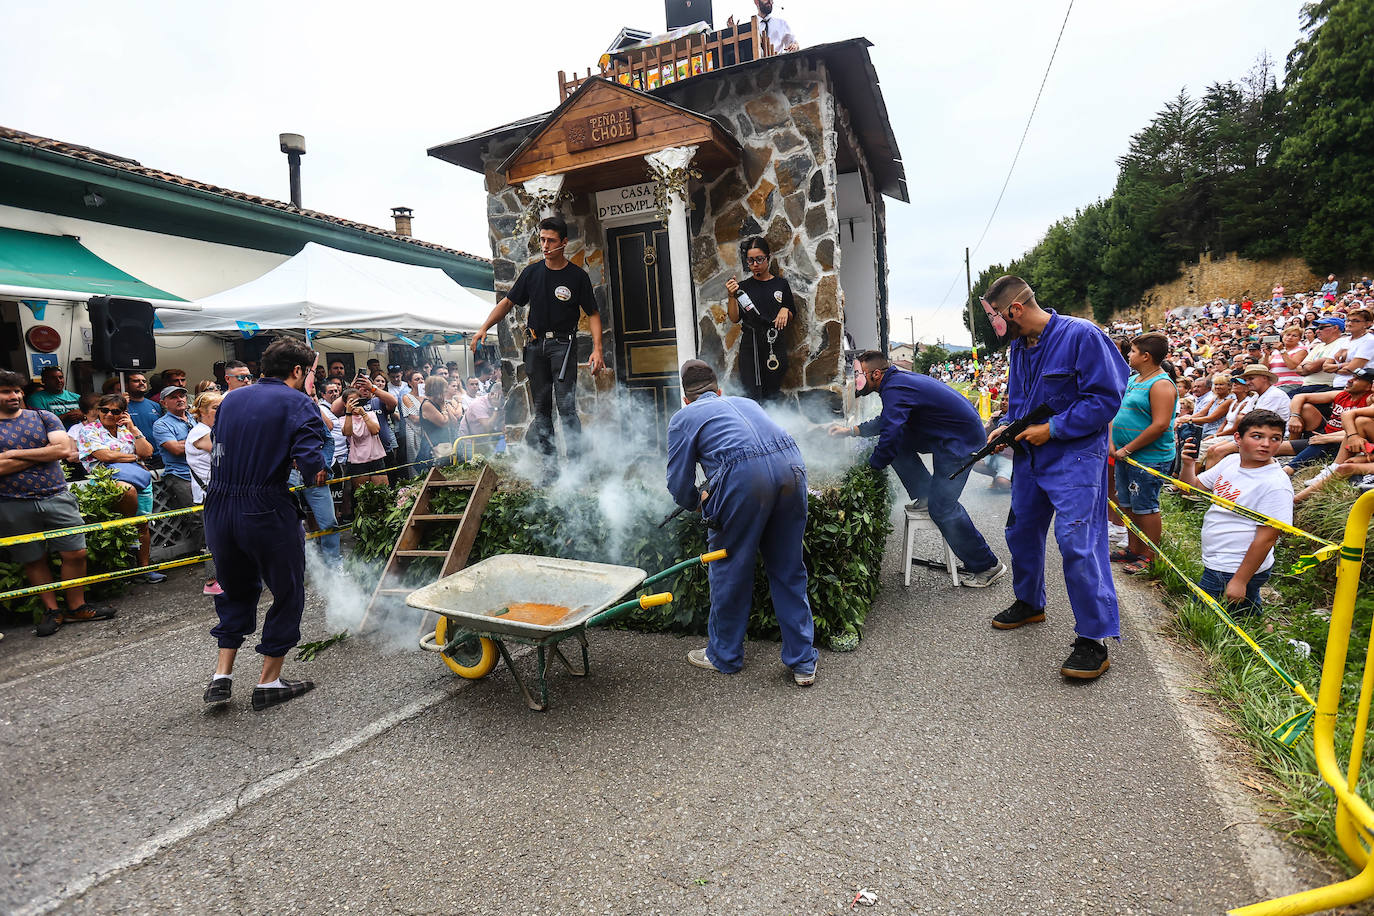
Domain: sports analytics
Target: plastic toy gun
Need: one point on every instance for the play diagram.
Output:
(1007, 437)
(710, 523)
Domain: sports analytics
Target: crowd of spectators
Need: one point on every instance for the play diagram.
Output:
(383, 425)
(1300, 367)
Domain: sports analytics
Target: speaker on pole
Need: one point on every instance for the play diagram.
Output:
(122, 334)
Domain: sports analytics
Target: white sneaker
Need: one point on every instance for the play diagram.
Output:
(985, 578)
(698, 657)
(804, 680)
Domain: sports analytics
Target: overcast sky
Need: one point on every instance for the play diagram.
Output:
(203, 91)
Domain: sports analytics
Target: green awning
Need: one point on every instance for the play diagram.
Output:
(61, 263)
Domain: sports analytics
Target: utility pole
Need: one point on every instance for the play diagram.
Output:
(973, 338)
(912, 321)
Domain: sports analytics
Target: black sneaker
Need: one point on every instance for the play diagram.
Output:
(1019, 614)
(263, 697)
(1087, 661)
(219, 690)
(50, 623)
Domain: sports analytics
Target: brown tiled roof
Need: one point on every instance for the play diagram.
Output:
(124, 164)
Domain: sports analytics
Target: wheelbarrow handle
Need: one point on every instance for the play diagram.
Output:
(646, 601)
(679, 567)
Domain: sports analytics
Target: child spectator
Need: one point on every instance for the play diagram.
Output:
(1237, 553)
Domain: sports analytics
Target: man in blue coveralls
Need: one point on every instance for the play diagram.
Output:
(1070, 365)
(251, 520)
(755, 498)
(924, 415)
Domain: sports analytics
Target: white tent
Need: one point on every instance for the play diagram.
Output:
(333, 293)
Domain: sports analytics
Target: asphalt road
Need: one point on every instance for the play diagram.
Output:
(944, 767)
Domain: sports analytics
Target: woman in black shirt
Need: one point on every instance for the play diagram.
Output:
(766, 311)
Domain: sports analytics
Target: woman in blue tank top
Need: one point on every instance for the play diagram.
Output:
(1144, 431)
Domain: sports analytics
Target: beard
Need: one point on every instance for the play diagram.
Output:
(765, 7)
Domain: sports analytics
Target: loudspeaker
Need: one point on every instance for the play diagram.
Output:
(688, 12)
(122, 334)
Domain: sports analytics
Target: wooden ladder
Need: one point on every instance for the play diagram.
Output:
(412, 535)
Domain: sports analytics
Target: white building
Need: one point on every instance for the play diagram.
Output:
(77, 222)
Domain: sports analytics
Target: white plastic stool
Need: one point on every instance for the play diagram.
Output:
(920, 520)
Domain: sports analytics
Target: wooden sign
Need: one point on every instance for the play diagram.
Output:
(603, 129)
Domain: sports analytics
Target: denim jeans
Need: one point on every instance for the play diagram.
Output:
(321, 503)
(1322, 453)
(945, 510)
(1214, 584)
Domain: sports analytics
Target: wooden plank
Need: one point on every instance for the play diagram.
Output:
(471, 524)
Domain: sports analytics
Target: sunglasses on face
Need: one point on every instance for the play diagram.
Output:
(757, 260)
(241, 378)
(112, 411)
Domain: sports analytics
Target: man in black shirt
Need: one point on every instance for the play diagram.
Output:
(554, 289)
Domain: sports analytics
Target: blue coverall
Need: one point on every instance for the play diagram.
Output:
(757, 484)
(251, 522)
(920, 415)
(1079, 372)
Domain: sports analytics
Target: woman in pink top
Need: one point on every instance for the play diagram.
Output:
(362, 431)
(1285, 358)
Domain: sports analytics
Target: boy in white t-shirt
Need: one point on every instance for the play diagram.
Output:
(1237, 553)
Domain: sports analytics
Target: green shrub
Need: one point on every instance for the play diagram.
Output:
(847, 527)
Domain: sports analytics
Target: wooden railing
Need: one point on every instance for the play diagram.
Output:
(682, 58)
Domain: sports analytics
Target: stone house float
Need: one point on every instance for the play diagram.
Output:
(794, 147)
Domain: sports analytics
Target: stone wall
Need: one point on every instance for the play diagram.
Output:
(785, 118)
(784, 190)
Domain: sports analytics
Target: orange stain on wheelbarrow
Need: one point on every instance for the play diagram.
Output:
(541, 615)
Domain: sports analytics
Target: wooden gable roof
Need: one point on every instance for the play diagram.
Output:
(657, 124)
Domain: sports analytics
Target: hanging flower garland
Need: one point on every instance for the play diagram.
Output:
(534, 206)
(670, 170)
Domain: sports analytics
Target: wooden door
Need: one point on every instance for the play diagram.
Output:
(645, 333)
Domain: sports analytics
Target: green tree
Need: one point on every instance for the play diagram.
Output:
(1329, 151)
(929, 356)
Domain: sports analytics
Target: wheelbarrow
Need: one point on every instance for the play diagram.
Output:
(533, 601)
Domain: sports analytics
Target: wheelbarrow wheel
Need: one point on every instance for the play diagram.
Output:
(473, 658)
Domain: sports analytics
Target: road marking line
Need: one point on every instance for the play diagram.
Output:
(228, 807)
(84, 659)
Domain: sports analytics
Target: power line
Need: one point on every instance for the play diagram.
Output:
(1044, 79)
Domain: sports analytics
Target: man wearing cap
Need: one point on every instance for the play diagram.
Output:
(1316, 376)
(169, 435)
(1264, 394)
(755, 500)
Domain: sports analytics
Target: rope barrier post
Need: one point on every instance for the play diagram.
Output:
(1352, 812)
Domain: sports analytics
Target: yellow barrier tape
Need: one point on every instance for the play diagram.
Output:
(158, 516)
(1305, 562)
(95, 526)
(1291, 729)
(136, 571)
